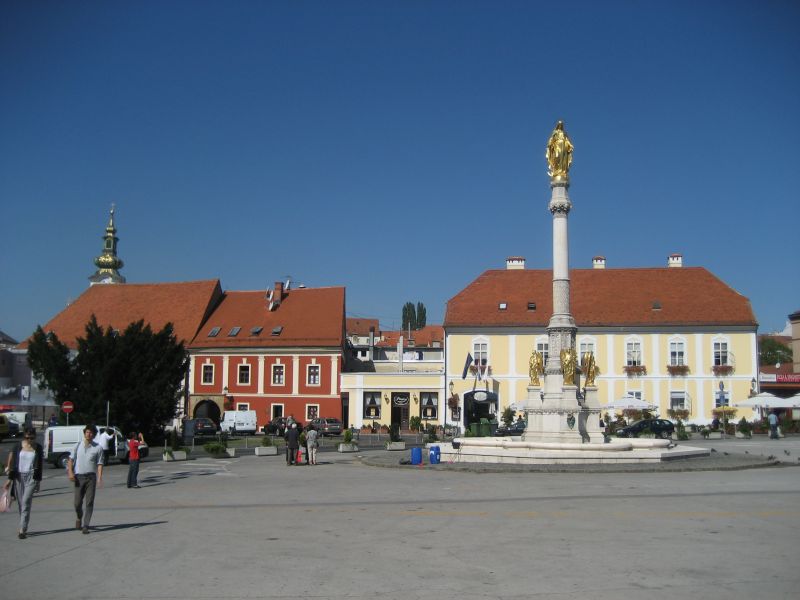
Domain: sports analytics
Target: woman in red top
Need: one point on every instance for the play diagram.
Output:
(134, 441)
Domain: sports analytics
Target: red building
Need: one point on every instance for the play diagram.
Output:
(278, 352)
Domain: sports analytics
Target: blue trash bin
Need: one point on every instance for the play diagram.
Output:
(416, 456)
(435, 455)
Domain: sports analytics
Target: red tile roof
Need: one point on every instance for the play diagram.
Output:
(361, 327)
(423, 338)
(602, 297)
(307, 316)
(184, 304)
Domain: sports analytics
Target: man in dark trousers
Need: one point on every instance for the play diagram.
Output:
(292, 444)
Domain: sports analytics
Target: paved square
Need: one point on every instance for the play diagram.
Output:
(251, 527)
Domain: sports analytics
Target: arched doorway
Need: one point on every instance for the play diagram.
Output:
(207, 408)
(479, 405)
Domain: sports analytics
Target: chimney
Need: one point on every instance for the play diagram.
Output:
(514, 263)
(675, 260)
(599, 262)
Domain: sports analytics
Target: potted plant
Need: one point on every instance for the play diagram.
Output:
(678, 370)
(267, 447)
(174, 451)
(395, 441)
(347, 444)
(216, 449)
(744, 430)
(415, 423)
(634, 370)
(722, 370)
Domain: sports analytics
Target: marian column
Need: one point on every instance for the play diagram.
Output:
(554, 412)
(561, 330)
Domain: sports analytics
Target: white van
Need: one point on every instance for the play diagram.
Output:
(60, 440)
(238, 421)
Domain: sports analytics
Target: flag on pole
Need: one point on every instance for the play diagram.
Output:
(478, 370)
(466, 366)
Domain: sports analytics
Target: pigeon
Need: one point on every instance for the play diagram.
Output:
(713, 450)
(725, 453)
(786, 452)
(771, 457)
(746, 452)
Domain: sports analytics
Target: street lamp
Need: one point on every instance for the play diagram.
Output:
(722, 407)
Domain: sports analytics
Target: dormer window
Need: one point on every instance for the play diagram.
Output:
(502, 306)
(234, 331)
(277, 330)
(214, 332)
(531, 305)
(256, 330)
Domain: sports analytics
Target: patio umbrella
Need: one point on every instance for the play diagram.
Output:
(762, 399)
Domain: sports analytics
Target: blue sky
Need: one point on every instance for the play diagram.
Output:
(395, 148)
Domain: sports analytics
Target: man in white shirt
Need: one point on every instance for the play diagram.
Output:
(106, 439)
(85, 469)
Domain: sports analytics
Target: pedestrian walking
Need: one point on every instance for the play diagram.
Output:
(24, 470)
(134, 441)
(773, 425)
(85, 470)
(292, 444)
(313, 444)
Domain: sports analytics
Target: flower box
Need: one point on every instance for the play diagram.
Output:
(678, 370)
(722, 370)
(634, 370)
(348, 447)
(395, 445)
(174, 455)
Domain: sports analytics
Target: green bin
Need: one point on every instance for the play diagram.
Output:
(486, 430)
(474, 429)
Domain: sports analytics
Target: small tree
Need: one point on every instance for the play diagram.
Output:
(422, 316)
(508, 416)
(771, 352)
(409, 316)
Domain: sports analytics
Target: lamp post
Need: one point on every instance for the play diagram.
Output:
(722, 407)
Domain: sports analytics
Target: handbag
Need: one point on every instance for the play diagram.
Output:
(5, 501)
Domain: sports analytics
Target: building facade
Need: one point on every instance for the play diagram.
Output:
(278, 352)
(676, 337)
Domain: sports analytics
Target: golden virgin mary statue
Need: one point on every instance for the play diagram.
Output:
(559, 154)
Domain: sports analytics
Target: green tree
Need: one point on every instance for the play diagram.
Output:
(771, 352)
(409, 316)
(138, 372)
(422, 315)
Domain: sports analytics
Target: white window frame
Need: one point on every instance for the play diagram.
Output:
(273, 407)
(480, 352)
(634, 352)
(203, 374)
(375, 396)
(309, 368)
(312, 412)
(720, 342)
(587, 344)
(243, 368)
(543, 347)
(677, 357)
(275, 368)
(429, 401)
(242, 406)
(677, 400)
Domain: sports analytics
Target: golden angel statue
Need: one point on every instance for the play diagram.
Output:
(589, 368)
(559, 154)
(536, 367)
(568, 359)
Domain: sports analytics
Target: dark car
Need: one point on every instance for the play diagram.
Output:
(199, 428)
(328, 426)
(276, 427)
(516, 428)
(660, 427)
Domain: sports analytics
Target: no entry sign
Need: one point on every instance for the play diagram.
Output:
(67, 406)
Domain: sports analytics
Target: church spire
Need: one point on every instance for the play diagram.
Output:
(108, 264)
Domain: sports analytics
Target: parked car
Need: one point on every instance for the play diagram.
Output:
(516, 428)
(328, 426)
(60, 440)
(3, 427)
(277, 426)
(662, 428)
(199, 428)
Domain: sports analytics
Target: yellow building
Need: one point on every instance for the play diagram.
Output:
(676, 337)
(393, 377)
